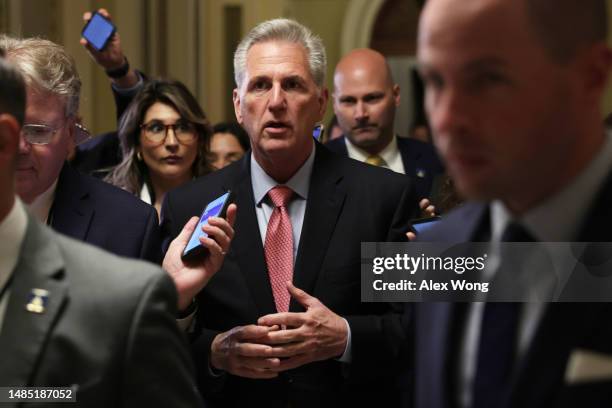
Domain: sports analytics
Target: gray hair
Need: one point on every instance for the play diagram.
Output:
(45, 66)
(282, 29)
(12, 91)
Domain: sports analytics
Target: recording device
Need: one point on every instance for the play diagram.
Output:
(318, 131)
(422, 224)
(98, 31)
(216, 208)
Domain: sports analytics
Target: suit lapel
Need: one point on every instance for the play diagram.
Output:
(25, 333)
(553, 342)
(247, 247)
(325, 200)
(439, 325)
(72, 209)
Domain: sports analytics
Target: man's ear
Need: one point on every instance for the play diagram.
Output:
(236, 99)
(323, 98)
(396, 94)
(71, 142)
(594, 66)
(9, 136)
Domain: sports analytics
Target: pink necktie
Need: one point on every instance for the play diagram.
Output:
(279, 247)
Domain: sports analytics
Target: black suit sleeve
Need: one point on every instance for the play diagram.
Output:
(158, 370)
(151, 243)
(377, 340)
(123, 99)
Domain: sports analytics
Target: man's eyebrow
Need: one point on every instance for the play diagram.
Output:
(258, 78)
(484, 63)
(294, 78)
(480, 63)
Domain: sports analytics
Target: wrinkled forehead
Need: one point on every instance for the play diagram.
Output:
(274, 58)
(44, 106)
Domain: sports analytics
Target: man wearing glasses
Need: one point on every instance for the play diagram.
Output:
(71, 203)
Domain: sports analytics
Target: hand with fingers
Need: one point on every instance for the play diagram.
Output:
(111, 57)
(427, 208)
(314, 335)
(239, 352)
(190, 278)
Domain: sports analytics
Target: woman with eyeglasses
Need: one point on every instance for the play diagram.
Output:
(164, 136)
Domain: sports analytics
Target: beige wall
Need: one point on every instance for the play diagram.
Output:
(185, 39)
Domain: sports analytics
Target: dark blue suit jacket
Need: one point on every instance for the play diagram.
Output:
(100, 154)
(421, 161)
(95, 212)
(563, 329)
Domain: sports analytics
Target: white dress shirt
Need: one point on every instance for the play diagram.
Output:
(571, 205)
(390, 154)
(300, 184)
(41, 206)
(12, 234)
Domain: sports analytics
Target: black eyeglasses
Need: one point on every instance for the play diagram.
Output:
(156, 131)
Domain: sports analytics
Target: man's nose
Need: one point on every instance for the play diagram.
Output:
(361, 111)
(278, 99)
(447, 111)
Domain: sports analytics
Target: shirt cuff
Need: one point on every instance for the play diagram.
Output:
(186, 324)
(132, 90)
(346, 357)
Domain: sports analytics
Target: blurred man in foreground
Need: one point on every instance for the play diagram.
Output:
(513, 94)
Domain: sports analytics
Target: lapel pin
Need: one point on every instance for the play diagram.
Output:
(420, 173)
(37, 301)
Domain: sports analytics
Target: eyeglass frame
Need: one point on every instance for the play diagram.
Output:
(52, 131)
(82, 133)
(166, 127)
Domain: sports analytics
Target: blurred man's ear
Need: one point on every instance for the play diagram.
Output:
(595, 64)
(9, 137)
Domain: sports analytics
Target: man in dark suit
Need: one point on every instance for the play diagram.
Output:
(72, 203)
(258, 338)
(513, 94)
(74, 316)
(365, 99)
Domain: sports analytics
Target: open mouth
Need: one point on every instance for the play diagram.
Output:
(276, 126)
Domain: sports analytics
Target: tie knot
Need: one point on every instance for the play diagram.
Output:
(280, 195)
(515, 232)
(376, 160)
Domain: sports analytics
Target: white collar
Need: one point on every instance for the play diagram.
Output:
(389, 154)
(41, 205)
(299, 182)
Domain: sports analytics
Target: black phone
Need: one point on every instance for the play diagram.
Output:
(216, 208)
(422, 224)
(98, 31)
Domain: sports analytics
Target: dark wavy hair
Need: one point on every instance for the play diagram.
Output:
(132, 173)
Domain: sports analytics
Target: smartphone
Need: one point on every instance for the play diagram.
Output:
(98, 31)
(317, 133)
(423, 224)
(216, 208)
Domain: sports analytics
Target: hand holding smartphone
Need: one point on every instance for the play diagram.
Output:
(216, 208)
(423, 224)
(98, 31)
